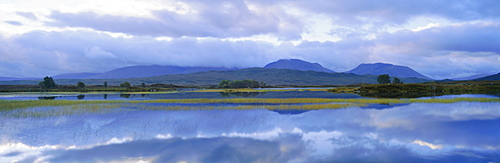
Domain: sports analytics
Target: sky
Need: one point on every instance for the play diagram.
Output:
(440, 39)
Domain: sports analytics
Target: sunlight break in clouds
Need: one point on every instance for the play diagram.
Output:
(444, 39)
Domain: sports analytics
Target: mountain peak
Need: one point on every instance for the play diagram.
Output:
(297, 64)
(386, 68)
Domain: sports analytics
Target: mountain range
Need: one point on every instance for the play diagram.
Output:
(364, 73)
(275, 77)
(140, 71)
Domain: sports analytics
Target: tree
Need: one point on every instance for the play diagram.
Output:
(384, 79)
(125, 85)
(397, 81)
(47, 83)
(241, 84)
(224, 84)
(105, 83)
(80, 84)
(143, 85)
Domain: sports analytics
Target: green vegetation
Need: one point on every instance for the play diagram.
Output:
(397, 81)
(125, 85)
(241, 84)
(80, 85)
(47, 83)
(384, 79)
(429, 89)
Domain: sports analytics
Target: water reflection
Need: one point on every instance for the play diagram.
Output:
(418, 132)
(241, 94)
(180, 95)
(47, 97)
(80, 97)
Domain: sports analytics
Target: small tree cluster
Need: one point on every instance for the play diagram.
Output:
(47, 83)
(125, 85)
(384, 79)
(241, 84)
(397, 81)
(80, 84)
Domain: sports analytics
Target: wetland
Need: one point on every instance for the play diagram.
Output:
(278, 125)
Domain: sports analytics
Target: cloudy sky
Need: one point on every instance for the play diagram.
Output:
(440, 39)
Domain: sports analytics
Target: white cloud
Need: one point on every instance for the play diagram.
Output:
(430, 145)
(96, 52)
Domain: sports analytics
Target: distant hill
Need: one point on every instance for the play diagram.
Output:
(297, 64)
(270, 76)
(139, 71)
(472, 77)
(8, 78)
(384, 68)
(491, 77)
(14, 78)
(75, 75)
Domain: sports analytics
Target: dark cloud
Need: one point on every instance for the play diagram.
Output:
(468, 38)
(16, 23)
(439, 52)
(214, 19)
(399, 12)
(28, 15)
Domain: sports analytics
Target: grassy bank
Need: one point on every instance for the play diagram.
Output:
(429, 89)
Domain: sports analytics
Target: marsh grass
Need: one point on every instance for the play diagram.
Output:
(44, 112)
(14, 104)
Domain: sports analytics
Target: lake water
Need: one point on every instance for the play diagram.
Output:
(177, 95)
(416, 132)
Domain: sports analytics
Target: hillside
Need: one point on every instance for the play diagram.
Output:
(14, 78)
(491, 77)
(297, 64)
(270, 76)
(384, 68)
(472, 77)
(75, 75)
(148, 71)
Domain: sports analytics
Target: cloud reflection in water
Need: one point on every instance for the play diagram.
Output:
(419, 132)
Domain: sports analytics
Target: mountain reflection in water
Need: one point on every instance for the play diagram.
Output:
(417, 132)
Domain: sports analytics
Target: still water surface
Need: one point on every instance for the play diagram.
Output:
(417, 132)
(178, 95)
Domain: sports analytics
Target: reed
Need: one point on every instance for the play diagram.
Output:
(13, 104)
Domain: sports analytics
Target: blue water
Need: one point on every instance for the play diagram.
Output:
(417, 132)
(178, 95)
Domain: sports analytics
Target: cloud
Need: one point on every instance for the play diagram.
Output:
(346, 134)
(439, 52)
(221, 19)
(97, 52)
(399, 12)
(28, 15)
(189, 150)
(16, 23)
